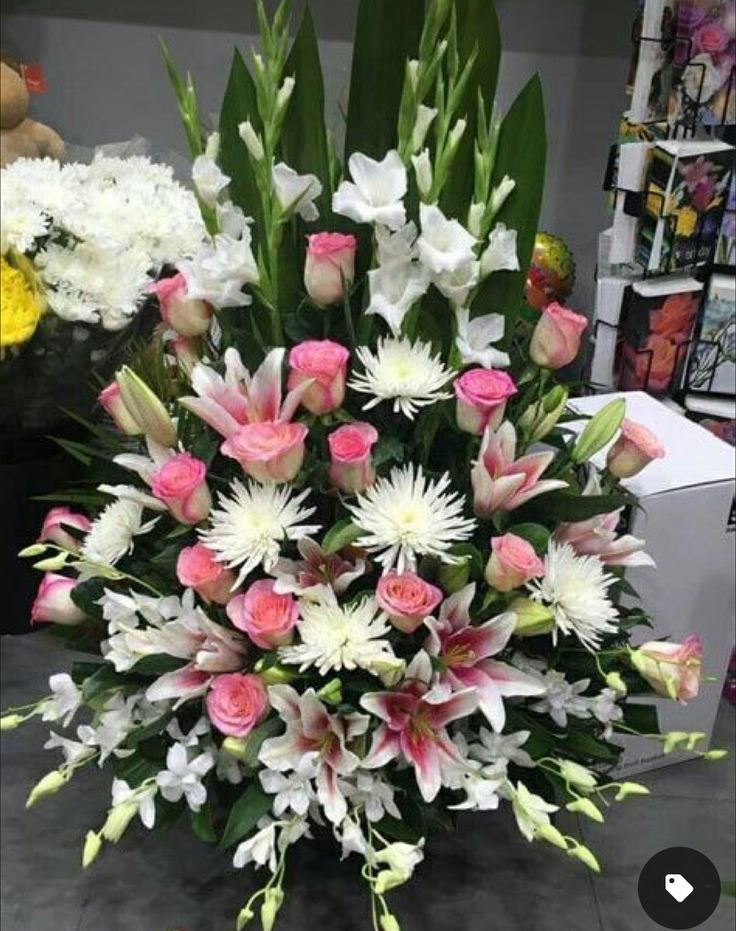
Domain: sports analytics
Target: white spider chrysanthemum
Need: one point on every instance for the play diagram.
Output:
(576, 589)
(248, 528)
(335, 637)
(111, 536)
(404, 372)
(407, 514)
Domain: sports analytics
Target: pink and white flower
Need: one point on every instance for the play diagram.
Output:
(181, 484)
(597, 537)
(53, 602)
(329, 266)
(267, 617)
(672, 669)
(236, 703)
(407, 599)
(466, 652)
(502, 482)
(351, 469)
(634, 449)
(111, 401)
(513, 561)
(482, 395)
(188, 316)
(556, 338)
(268, 452)
(197, 568)
(53, 529)
(323, 363)
(316, 569)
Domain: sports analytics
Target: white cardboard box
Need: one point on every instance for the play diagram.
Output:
(688, 519)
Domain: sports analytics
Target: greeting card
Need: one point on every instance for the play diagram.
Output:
(712, 366)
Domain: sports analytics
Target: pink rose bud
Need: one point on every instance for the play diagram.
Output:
(672, 669)
(325, 364)
(481, 399)
(407, 599)
(267, 617)
(112, 403)
(330, 262)
(513, 562)
(188, 316)
(268, 452)
(236, 703)
(54, 527)
(53, 602)
(556, 338)
(351, 469)
(180, 483)
(197, 568)
(634, 449)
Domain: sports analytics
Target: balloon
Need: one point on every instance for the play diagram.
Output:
(551, 274)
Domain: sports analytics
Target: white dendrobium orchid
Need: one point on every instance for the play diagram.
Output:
(74, 750)
(407, 515)
(271, 838)
(209, 180)
(444, 245)
(376, 192)
(183, 776)
(292, 792)
(501, 748)
(400, 860)
(117, 718)
(475, 339)
(500, 253)
(296, 193)
(403, 372)
(65, 700)
(561, 698)
(311, 731)
(142, 798)
(531, 811)
(605, 709)
(373, 794)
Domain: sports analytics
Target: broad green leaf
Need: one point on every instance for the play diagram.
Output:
(342, 534)
(387, 35)
(85, 595)
(522, 150)
(566, 506)
(156, 665)
(245, 814)
(269, 728)
(535, 534)
(202, 825)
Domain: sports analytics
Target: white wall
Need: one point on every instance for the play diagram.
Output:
(106, 82)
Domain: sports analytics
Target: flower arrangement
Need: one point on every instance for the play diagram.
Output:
(389, 589)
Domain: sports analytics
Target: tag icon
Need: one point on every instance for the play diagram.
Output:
(677, 886)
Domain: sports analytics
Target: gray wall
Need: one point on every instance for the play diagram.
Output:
(106, 84)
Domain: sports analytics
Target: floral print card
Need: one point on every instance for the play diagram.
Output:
(712, 366)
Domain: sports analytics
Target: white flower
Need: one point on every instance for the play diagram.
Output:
(111, 535)
(475, 339)
(444, 245)
(293, 792)
(183, 777)
(208, 180)
(506, 748)
(141, 797)
(394, 288)
(374, 795)
(576, 589)
(221, 269)
(481, 791)
(335, 637)
(500, 253)
(530, 810)
(352, 839)
(21, 224)
(118, 717)
(249, 527)
(425, 116)
(376, 193)
(397, 246)
(604, 709)
(404, 372)
(423, 171)
(562, 698)
(65, 702)
(500, 193)
(74, 750)
(251, 139)
(401, 860)
(295, 192)
(457, 285)
(406, 515)
(260, 848)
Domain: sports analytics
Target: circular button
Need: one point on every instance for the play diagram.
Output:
(679, 888)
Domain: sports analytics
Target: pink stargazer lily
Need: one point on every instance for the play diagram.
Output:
(597, 537)
(465, 653)
(502, 482)
(415, 719)
(308, 576)
(312, 731)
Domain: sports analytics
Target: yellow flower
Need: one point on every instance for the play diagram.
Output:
(687, 218)
(20, 306)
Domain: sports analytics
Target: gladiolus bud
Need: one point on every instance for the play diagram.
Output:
(532, 618)
(92, 847)
(423, 170)
(49, 785)
(284, 94)
(331, 693)
(475, 218)
(425, 115)
(146, 408)
(252, 140)
(615, 681)
(9, 722)
(585, 807)
(500, 193)
(585, 856)
(630, 788)
(456, 133)
(549, 833)
(599, 430)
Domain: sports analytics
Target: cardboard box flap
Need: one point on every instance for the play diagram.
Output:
(694, 455)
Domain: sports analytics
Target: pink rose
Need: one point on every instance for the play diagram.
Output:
(267, 617)
(269, 452)
(330, 263)
(197, 568)
(351, 469)
(635, 448)
(512, 562)
(711, 38)
(54, 524)
(407, 599)
(53, 602)
(556, 338)
(111, 401)
(672, 669)
(236, 703)
(180, 484)
(481, 399)
(188, 316)
(324, 363)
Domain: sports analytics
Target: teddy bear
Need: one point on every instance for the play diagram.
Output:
(21, 137)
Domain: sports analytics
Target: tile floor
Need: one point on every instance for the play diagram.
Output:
(484, 878)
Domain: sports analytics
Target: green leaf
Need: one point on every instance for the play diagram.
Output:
(156, 665)
(77, 451)
(568, 506)
(535, 534)
(135, 769)
(245, 814)
(472, 556)
(105, 679)
(85, 595)
(202, 825)
(587, 745)
(388, 449)
(642, 718)
(342, 534)
(522, 151)
(387, 34)
(269, 728)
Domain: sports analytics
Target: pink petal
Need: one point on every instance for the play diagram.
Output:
(184, 683)
(532, 466)
(328, 792)
(490, 638)
(539, 489)
(385, 747)
(212, 414)
(422, 753)
(460, 705)
(509, 680)
(293, 400)
(264, 396)
(315, 720)
(456, 609)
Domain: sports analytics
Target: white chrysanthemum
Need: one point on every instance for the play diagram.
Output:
(407, 515)
(404, 372)
(248, 528)
(111, 536)
(335, 637)
(576, 589)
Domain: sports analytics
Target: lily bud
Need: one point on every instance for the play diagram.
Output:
(111, 400)
(549, 833)
(9, 722)
(92, 847)
(423, 171)
(532, 618)
(540, 418)
(49, 785)
(235, 747)
(630, 788)
(599, 431)
(615, 681)
(585, 856)
(275, 675)
(118, 819)
(146, 408)
(331, 693)
(252, 140)
(585, 807)
(270, 908)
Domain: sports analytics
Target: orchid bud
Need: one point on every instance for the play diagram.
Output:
(532, 618)
(9, 722)
(49, 785)
(585, 807)
(146, 408)
(235, 747)
(389, 923)
(252, 140)
(713, 755)
(598, 431)
(585, 856)
(270, 908)
(244, 916)
(549, 833)
(35, 549)
(577, 775)
(92, 847)
(615, 681)
(118, 819)
(630, 788)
